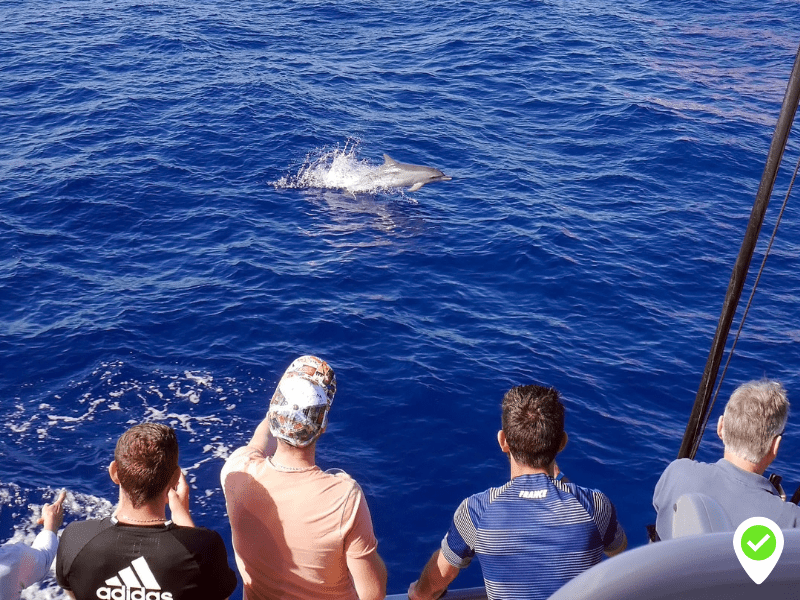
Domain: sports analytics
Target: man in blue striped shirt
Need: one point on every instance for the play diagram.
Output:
(536, 532)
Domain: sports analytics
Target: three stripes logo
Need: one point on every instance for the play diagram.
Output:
(136, 582)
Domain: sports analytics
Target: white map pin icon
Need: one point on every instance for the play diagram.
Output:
(758, 543)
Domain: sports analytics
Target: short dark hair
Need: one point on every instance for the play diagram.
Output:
(533, 423)
(146, 457)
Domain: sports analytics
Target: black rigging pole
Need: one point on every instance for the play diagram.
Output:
(694, 429)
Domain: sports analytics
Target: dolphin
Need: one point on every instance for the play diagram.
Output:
(393, 174)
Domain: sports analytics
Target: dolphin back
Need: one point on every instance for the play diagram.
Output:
(394, 174)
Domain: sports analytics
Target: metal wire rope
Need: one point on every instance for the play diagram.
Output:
(747, 308)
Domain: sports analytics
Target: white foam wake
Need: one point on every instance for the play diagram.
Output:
(335, 168)
(25, 510)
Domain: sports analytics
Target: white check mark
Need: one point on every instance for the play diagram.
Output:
(755, 547)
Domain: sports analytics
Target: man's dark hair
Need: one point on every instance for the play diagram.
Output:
(533, 423)
(146, 456)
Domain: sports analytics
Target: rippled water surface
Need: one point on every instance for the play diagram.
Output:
(164, 253)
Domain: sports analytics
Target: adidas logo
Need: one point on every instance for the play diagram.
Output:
(133, 583)
(534, 495)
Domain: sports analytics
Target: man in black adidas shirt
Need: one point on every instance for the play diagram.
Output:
(138, 554)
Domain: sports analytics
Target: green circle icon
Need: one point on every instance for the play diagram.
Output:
(758, 542)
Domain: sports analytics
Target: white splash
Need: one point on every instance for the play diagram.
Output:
(77, 506)
(202, 380)
(335, 168)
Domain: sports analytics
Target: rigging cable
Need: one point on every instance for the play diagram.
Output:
(746, 310)
(791, 100)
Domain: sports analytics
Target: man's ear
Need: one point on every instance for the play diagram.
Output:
(176, 476)
(564, 440)
(775, 444)
(719, 427)
(112, 472)
(501, 439)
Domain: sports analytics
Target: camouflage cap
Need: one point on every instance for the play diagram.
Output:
(298, 410)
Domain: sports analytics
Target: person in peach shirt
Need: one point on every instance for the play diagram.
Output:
(299, 532)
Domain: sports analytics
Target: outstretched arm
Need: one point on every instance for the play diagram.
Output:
(179, 503)
(262, 439)
(33, 562)
(435, 578)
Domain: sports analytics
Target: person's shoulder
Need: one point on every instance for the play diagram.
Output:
(592, 499)
(78, 534)
(474, 507)
(338, 482)
(482, 500)
(337, 477)
(579, 491)
(196, 537)
(207, 547)
(194, 532)
(86, 528)
(685, 475)
(786, 511)
(239, 459)
(686, 467)
(245, 453)
(687, 464)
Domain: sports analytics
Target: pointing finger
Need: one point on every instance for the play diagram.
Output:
(60, 499)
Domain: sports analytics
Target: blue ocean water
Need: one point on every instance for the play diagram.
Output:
(163, 257)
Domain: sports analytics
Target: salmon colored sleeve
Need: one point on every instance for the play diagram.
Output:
(238, 459)
(359, 538)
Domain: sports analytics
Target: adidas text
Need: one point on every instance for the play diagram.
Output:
(124, 593)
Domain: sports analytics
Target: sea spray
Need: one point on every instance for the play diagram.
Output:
(336, 168)
(25, 506)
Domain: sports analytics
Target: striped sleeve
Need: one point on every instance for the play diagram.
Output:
(605, 517)
(458, 545)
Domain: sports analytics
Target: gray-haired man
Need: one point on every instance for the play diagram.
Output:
(751, 429)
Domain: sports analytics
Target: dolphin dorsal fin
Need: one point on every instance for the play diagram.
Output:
(388, 160)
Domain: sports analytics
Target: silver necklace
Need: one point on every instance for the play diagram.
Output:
(284, 467)
(142, 520)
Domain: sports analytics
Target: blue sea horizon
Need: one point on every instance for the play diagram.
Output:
(165, 254)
